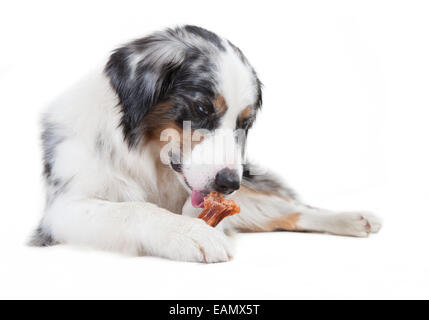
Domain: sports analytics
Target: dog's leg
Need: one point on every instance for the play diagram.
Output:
(266, 205)
(133, 227)
(269, 212)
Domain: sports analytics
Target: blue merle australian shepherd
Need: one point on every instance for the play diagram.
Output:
(111, 183)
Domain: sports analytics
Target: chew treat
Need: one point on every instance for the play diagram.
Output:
(217, 208)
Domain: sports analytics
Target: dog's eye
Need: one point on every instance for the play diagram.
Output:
(203, 110)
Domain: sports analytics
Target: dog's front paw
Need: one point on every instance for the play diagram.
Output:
(357, 224)
(195, 241)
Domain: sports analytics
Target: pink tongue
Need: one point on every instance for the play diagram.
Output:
(197, 199)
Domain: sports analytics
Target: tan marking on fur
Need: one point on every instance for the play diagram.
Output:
(160, 119)
(246, 113)
(220, 104)
(287, 222)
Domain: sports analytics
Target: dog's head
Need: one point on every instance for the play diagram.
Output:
(194, 93)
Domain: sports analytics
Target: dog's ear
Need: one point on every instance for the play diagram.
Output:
(142, 74)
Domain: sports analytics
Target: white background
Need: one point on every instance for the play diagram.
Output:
(346, 98)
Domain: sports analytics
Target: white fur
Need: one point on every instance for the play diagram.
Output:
(237, 85)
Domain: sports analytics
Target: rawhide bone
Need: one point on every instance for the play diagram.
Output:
(217, 208)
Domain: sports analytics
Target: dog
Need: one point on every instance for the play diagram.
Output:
(112, 184)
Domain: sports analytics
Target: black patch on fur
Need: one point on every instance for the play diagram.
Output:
(193, 87)
(137, 93)
(41, 238)
(259, 86)
(265, 182)
(58, 186)
(245, 124)
(207, 35)
(51, 138)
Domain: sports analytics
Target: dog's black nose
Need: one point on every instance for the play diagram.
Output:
(227, 181)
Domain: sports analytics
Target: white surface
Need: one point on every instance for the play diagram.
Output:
(346, 99)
